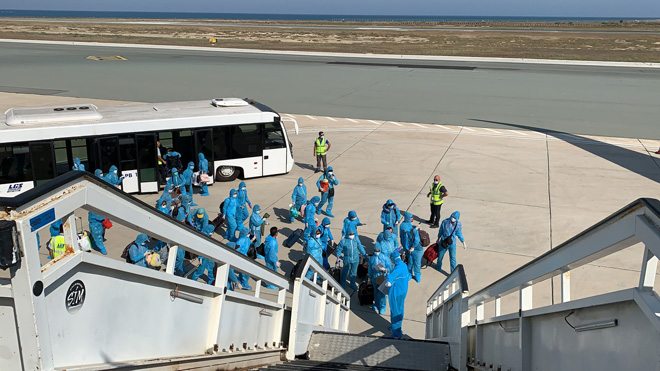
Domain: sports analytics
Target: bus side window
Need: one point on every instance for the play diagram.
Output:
(273, 137)
(61, 158)
(15, 163)
(79, 150)
(221, 142)
(246, 141)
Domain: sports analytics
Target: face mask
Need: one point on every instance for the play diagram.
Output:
(351, 237)
(175, 174)
(243, 189)
(300, 184)
(258, 211)
(234, 196)
(115, 171)
(453, 220)
(435, 182)
(330, 173)
(391, 207)
(376, 253)
(318, 236)
(163, 206)
(322, 136)
(353, 218)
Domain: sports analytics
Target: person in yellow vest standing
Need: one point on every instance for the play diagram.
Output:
(321, 148)
(57, 246)
(437, 194)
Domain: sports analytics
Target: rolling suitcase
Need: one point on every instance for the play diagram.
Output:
(363, 269)
(431, 253)
(335, 272)
(293, 238)
(366, 293)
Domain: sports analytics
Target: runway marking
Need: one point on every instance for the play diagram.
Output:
(492, 131)
(310, 117)
(331, 119)
(518, 132)
(106, 58)
(395, 123)
(289, 116)
(468, 129)
(443, 127)
(351, 120)
(374, 122)
(420, 125)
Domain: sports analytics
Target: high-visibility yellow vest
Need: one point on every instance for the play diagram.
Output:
(57, 246)
(436, 193)
(321, 147)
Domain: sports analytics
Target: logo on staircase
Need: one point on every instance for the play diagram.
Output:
(75, 297)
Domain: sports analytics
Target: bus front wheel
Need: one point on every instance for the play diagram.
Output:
(226, 173)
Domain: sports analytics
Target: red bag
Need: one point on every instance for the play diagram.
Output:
(106, 223)
(431, 253)
(324, 185)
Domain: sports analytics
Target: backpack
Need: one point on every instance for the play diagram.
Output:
(424, 238)
(175, 212)
(292, 274)
(126, 254)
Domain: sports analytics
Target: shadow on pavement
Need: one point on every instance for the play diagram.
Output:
(305, 166)
(281, 214)
(626, 158)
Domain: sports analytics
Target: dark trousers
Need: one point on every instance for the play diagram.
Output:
(320, 159)
(162, 174)
(435, 214)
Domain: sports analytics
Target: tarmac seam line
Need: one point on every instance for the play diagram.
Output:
(552, 280)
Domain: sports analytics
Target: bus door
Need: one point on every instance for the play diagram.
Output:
(107, 153)
(147, 158)
(204, 144)
(43, 162)
(185, 145)
(274, 155)
(128, 161)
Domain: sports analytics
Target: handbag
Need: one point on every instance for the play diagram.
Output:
(331, 192)
(448, 241)
(106, 223)
(204, 178)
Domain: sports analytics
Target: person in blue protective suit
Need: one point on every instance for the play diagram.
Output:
(187, 179)
(205, 264)
(406, 227)
(329, 195)
(77, 165)
(139, 252)
(352, 221)
(242, 212)
(232, 278)
(112, 177)
(229, 211)
(166, 196)
(162, 207)
(176, 181)
(450, 227)
(391, 216)
(313, 247)
(271, 250)
(299, 196)
(415, 252)
(326, 236)
(203, 167)
(387, 244)
(349, 252)
(199, 219)
(97, 229)
(310, 218)
(179, 270)
(379, 265)
(381, 237)
(184, 209)
(255, 224)
(242, 246)
(99, 173)
(397, 282)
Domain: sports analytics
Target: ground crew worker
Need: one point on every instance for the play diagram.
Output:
(437, 193)
(162, 167)
(321, 148)
(57, 246)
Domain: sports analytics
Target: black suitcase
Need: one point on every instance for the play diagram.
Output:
(366, 293)
(293, 238)
(292, 274)
(363, 269)
(335, 272)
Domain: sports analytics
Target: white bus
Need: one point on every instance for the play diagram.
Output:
(237, 136)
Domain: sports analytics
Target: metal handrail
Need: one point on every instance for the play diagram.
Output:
(458, 275)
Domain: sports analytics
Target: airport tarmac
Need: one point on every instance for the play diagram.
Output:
(520, 192)
(584, 100)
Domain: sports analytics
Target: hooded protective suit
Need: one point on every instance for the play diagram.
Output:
(349, 251)
(203, 167)
(387, 244)
(184, 209)
(326, 235)
(77, 165)
(379, 259)
(391, 216)
(406, 226)
(176, 180)
(299, 196)
(448, 228)
(325, 196)
(398, 282)
(207, 265)
(199, 219)
(96, 229)
(229, 211)
(242, 212)
(271, 250)
(138, 250)
(242, 246)
(310, 223)
(112, 176)
(187, 179)
(313, 248)
(415, 256)
(352, 221)
(99, 174)
(255, 224)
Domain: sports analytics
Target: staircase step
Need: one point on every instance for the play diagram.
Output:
(304, 365)
(371, 351)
